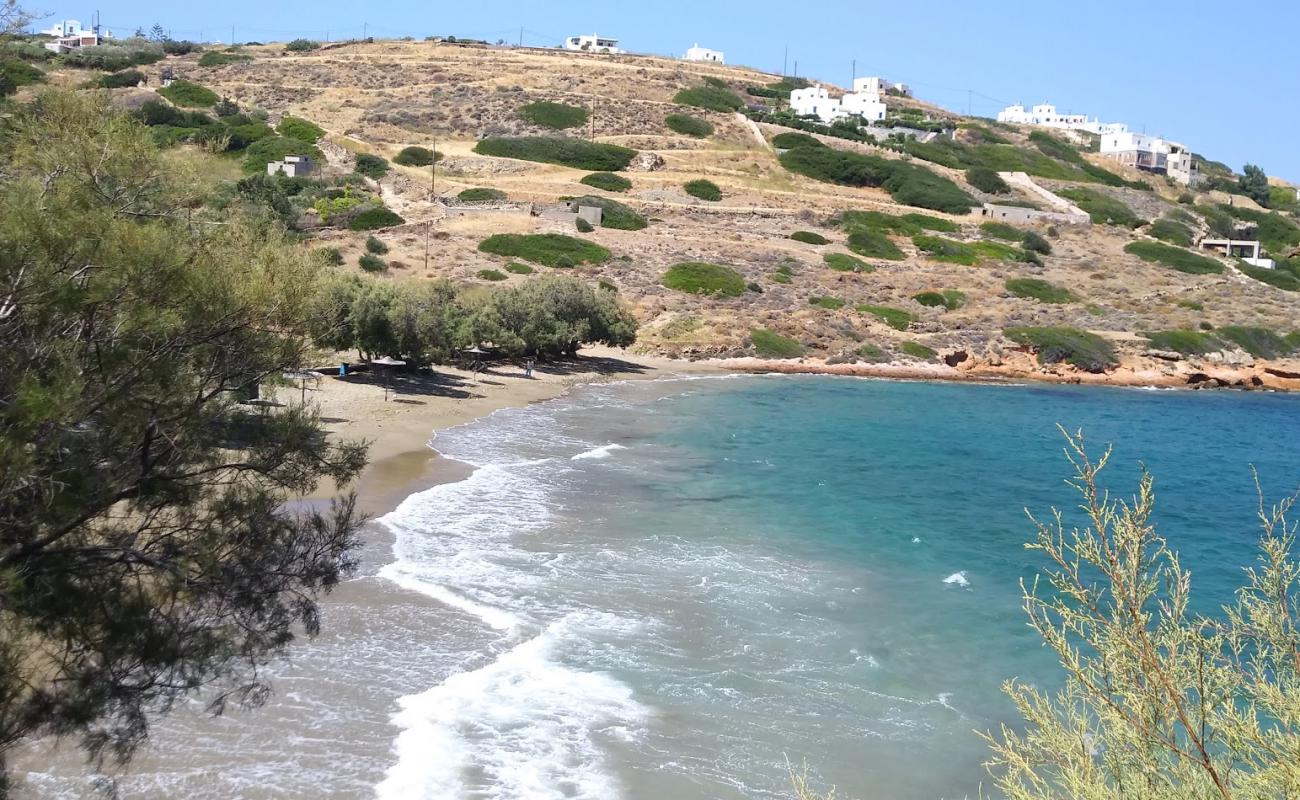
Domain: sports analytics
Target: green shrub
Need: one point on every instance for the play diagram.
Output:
(376, 246)
(1192, 304)
(126, 79)
(609, 181)
(275, 148)
(1276, 232)
(1103, 210)
(689, 125)
(906, 224)
(809, 237)
(1175, 257)
(918, 351)
(783, 274)
(1001, 230)
(789, 140)
(896, 318)
(843, 262)
(371, 165)
(907, 183)
(481, 194)
(703, 189)
(613, 213)
(1034, 242)
(1171, 231)
(1040, 290)
(374, 219)
(300, 129)
(1279, 278)
(416, 156)
(215, 58)
(576, 153)
(372, 263)
(948, 299)
(556, 116)
(871, 352)
(189, 95)
(515, 268)
(113, 57)
(1053, 345)
(1259, 342)
(951, 251)
(769, 344)
(828, 303)
(333, 256)
(713, 98)
(1186, 342)
(873, 244)
(548, 249)
(583, 225)
(492, 275)
(18, 73)
(987, 180)
(697, 277)
(301, 46)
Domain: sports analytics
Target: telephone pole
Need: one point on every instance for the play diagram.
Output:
(433, 174)
(855, 74)
(232, 34)
(521, 35)
(785, 62)
(592, 135)
(365, 28)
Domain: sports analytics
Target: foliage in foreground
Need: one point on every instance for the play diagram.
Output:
(1053, 345)
(576, 153)
(1159, 702)
(143, 550)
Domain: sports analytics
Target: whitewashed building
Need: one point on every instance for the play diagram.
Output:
(68, 27)
(69, 34)
(291, 167)
(815, 101)
(878, 86)
(592, 44)
(1045, 115)
(1152, 154)
(698, 53)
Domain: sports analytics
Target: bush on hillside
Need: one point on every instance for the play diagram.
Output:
(556, 116)
(1171, 231)
(828, 303)
(896, 318)
(906, 224)
(951, 251)
(609, 181)
(1259, 342)
(907, 183)
(120, 55)
(1191, 343)
(769, 344)
(1175, 257)
(703, 189)
(1103, 210)
(613, 213)
(689, 125)
(374, 219)
(576, 153)
(583, 225)
(547, 249)
(987, 180)
(1040, 290)
(301, 129)
(713, 98)
(275, 148)
(515, 268)
(481, 194)
(189, 95)
(918, 351)
(697, 277)
(18, 73)
(1279, 278)
(948, 299)
(1053, 345)
(1034, 242)
(371, 165)
(371, 263)
(809, 237)
(1001, 230)
(492, 275)
(126, 79)
(789, 140)
(216, 58)
(873, 244)
(416, 156)
(843, 262)
(301, 46)
(376, 246)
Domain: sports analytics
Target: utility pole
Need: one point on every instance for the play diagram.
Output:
(855, 74)
(232, 34)
(521, 35)
(785, 61)
(433, 174)
(970, 100)
(427, 223)
(592, 135)
(365, 28)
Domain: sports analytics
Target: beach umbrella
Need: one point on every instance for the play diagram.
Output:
(387, 362)
(303, 375)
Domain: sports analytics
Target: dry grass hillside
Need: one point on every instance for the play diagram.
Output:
(380, 97)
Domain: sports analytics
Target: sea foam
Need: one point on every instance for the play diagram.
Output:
(957, 579)
(604, 451)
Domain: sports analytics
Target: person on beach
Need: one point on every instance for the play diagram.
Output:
(528, 368)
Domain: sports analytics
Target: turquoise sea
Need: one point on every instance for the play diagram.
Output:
(677, 588)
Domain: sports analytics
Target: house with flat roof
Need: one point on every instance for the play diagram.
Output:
(815, 101)
(291, 166)
(1152, 154)
(874, 84)
(592, 44)
(698, 53)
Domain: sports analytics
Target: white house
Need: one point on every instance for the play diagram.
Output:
(877, 85)
(592, 44)
(69, 34)
(68, 27)
(291, 167)
(1152, 154)
(698, 53)
(815, 101)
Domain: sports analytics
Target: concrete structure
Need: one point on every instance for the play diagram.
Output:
(815, 101)
(1247, 250)
(878, 86)
(571, 212)
(291, 167)
(1045, 115)
(1027, 216)
(1022, 181)
(1152, 154)
(592, 44)
(698, 53)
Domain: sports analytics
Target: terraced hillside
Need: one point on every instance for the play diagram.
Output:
(841, 242)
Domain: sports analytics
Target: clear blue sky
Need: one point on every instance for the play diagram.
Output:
(1224, 78)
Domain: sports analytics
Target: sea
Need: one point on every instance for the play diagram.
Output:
(687, 588)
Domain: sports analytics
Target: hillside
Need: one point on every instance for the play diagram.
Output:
(931, 295)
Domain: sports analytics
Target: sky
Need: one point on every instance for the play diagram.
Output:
(1222, 78)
